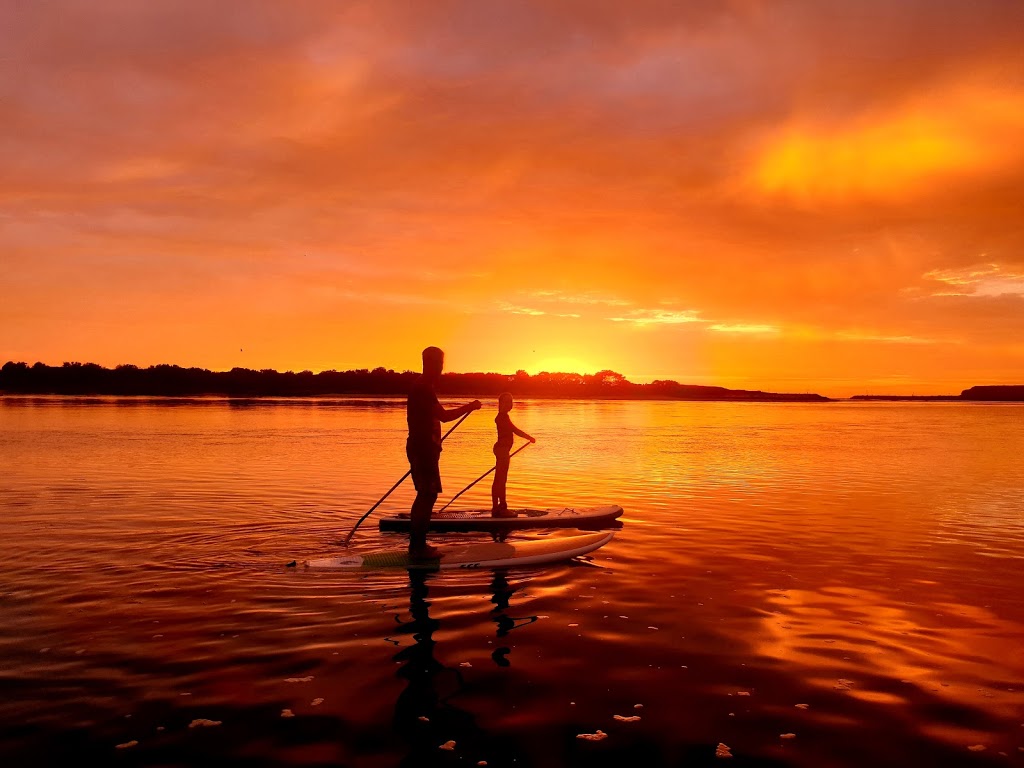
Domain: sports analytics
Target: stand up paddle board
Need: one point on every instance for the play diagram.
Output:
(481, 520)
(490, 555)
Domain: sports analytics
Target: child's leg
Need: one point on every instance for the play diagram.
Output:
(500, 480)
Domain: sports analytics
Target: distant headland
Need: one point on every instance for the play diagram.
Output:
(175, 381)
(1000, 393)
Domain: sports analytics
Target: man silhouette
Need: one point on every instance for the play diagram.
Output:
(423, 448)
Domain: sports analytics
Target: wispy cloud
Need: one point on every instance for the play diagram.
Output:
(581, 298)
(516, 309)
(979, 280)
(744, 328)
(660, 317)
(882, 338)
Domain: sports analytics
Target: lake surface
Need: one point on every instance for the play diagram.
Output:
(830, 584)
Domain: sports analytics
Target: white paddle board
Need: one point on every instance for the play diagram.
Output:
(489, 555)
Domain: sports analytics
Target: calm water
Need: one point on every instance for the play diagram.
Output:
(847, 573)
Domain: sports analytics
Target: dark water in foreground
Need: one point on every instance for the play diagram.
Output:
(810, 585)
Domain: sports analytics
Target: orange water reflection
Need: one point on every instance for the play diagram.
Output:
(861, 559)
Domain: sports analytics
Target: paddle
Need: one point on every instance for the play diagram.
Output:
(485, 474)
(393, 487)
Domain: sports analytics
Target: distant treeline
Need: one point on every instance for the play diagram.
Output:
(174, 381)
(1005, 393)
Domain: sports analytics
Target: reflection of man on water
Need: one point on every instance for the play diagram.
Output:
(423, 712)
(423, 448)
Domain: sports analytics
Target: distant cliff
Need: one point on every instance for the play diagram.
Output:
(174, 381)
(1006, 393)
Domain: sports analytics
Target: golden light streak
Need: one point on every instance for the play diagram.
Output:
(959, 132)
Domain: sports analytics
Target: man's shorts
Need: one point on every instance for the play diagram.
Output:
(426, 474)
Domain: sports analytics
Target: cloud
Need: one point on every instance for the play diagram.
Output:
(744, 328)
(874, 337)
(644, 317)
(953, 133)
(409, 167)
(984, 280)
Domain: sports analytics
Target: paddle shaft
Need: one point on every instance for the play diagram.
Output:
(485, 474)
(393, 487)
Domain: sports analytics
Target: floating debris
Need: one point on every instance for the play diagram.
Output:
(448, 745)
(742, 693)
(202, 722)
(423, 719)
(627, 718)
(597, 735)
(787, 735)
(977, 748)
(623, 617)
(482, 762)
(465, 664)
(801, 706)
(842, 684)
(638, 706)
(652, 627)
(287, 713)
(722, 750)
(127, 744)
(298, 679)
(316, 702)
(574, 625)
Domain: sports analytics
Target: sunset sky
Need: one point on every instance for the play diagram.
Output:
(820, 196)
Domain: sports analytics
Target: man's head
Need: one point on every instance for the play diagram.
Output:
(433, 362)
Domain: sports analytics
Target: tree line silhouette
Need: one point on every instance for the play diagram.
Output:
(175, 381)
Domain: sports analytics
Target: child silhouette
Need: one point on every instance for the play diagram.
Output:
(506, 432)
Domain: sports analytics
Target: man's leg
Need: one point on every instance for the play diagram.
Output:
(419, 519)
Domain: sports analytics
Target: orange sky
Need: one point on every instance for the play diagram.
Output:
(798, 196)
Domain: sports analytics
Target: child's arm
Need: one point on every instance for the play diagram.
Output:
(516, 430)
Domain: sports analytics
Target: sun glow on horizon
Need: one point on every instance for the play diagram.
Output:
(564, 364)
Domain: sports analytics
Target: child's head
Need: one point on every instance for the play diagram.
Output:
(505, 402)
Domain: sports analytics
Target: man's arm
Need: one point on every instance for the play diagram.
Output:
(455, 413)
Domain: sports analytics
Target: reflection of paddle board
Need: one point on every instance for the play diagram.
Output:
(481, 520)
(489, 555)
